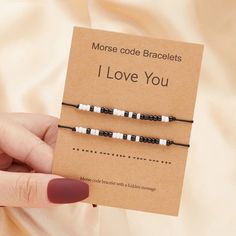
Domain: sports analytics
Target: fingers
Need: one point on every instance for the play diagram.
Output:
(18, 168)
(19, 143)
(43, 126)
(39, 190)
(5, 161)
(36, 123)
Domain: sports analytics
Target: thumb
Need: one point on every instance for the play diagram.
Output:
(39, 190)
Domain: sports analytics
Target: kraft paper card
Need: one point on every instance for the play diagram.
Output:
(131, 73)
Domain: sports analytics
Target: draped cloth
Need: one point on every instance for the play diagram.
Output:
(35, 38)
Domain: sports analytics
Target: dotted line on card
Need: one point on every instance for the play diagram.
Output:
(92, 151)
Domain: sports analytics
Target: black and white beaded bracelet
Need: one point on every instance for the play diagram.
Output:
(129, 137)
(129, 114)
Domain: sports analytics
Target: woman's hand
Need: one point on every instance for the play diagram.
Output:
(26, 154)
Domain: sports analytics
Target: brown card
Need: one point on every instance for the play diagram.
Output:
(133, 73)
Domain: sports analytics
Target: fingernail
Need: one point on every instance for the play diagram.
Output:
(63, 190)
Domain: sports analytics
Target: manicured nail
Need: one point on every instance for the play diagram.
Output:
(63, 190)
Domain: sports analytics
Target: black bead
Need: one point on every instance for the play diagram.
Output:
(110, 110)
(100, 133)
(73, 129)
(155, 118)
(133, 137)
(169, 142)
(157, 140)
(141, 139)
(102, 109)
(106, 133)
(172, 118)
(144, 139)
(149, 140)
(153, 140)
(134, 115)
(159, 118)
(146, 117)
(91, 108)
(110, 134)
(124, 136)
(126, 113)
(88, 130)
(141, 116)
(151, 117)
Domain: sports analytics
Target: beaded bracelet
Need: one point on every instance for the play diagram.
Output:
(129, 137)
(129, 114)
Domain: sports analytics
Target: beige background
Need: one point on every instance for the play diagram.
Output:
(35, 39)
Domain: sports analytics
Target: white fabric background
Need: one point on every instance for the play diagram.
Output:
(35, 37)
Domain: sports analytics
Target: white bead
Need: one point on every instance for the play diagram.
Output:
(115, 112)
(118, 112)
(120, 136)
(137, 138)
(81, 130)
(92, 132)
(76, 129)
(80, 106)
(84, 130)
(122, 113)
(97, 109)
(114, 135)
(130, 114)
(87, 107)
(129, 137)
(164, 118)
(162, 142)
(83, 107)
(96, 132)
(138, 116)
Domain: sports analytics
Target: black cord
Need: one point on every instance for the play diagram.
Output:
(181, 144)
(182, 120)
(65, 127)
(69, 104)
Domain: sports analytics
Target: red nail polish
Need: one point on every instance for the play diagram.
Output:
(63, 190)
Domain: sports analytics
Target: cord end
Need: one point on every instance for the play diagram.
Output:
(65, 127)
(181, 144)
